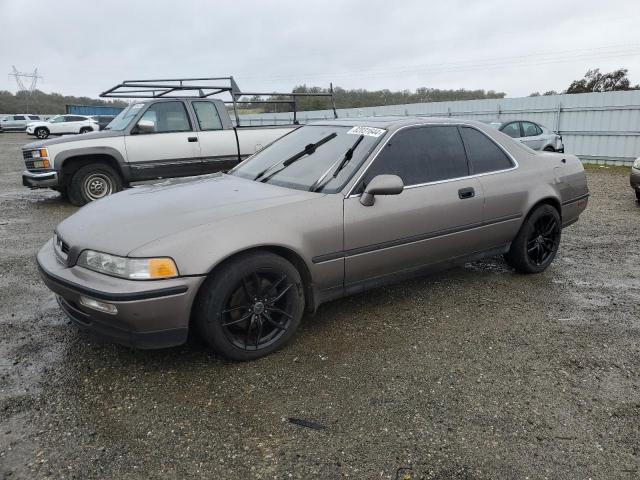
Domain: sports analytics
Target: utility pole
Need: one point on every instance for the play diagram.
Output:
(19, 76)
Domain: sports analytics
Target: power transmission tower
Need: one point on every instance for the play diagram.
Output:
(19, 76)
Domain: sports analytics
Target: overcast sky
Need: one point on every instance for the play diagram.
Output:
(84, 47)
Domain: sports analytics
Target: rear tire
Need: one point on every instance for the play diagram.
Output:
(549, 148)
(41, 132)
(250, 307)
(93, 182)
(537, 242)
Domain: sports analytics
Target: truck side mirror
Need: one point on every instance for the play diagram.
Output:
(146, 126)
(381, 185)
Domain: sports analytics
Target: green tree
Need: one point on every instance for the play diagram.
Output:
(46, 103)
(595, 81)
(358, 98)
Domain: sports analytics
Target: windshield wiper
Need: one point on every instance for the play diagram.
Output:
(308, 150)
(320, 183)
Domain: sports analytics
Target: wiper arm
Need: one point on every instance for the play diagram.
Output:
(320, 183)
(308, 150)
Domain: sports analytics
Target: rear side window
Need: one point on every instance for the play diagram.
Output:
(530, 129)
(168, 117)
(512, 129)
(422, 155)
(34, 117)
(18, 117)
(208, 118)
(484, 154)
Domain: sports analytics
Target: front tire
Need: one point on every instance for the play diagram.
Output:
(41, 132)
(251, 306)
(537, 242)
(93, 182)
(86, 130)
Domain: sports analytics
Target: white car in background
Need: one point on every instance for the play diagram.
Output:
(63, 124)
(532, 134)
(17, 122)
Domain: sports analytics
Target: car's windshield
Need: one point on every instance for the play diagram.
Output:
(124, 118)
(305, 171)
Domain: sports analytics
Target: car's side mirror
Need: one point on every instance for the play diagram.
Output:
(146, 126)
(381, 185)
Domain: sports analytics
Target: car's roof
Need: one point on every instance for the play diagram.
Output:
(393, 122)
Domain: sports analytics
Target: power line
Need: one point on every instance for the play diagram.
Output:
(526, 60)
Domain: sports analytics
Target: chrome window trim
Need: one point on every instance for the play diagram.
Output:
(516, 165)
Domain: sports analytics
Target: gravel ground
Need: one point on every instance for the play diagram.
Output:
(473, 373)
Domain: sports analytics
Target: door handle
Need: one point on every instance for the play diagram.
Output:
(192, 139)
(468, 192)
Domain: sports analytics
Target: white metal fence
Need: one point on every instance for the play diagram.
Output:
(598, 127)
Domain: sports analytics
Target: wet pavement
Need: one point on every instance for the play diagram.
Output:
(474, 373)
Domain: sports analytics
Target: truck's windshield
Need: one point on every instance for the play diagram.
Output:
(306, 170)
(123, 119)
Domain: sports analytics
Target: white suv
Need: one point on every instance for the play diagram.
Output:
(17, 122)
(63, 124)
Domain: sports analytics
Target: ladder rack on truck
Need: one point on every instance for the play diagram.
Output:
(206, 87)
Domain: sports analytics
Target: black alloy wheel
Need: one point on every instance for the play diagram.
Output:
(537, 242)
(543, 239)
(250, 306)
(259, 310)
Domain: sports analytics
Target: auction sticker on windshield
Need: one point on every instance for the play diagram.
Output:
(367, 131)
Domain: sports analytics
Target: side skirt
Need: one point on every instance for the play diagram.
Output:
(396, 277)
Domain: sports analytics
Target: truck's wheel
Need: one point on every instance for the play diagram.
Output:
(251, 306)
(86, 130)
(93, 182)
(41, 132)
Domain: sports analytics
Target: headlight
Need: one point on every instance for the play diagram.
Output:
(130, 268)
(40, 153)
(636, 164)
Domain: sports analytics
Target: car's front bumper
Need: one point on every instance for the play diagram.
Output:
(150, 314)
(634, 179)
(44, 179)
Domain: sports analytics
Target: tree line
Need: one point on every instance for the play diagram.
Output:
(46, 103)
(596, 81)
(358, 98)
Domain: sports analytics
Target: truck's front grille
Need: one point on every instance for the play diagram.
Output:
(28, 159)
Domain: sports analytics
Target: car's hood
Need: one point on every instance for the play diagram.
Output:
(73, 138)
(127, 220)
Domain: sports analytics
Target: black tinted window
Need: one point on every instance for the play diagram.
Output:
(18, 117)
(168, 117)
(484, 154)
(512, 129)
(421, 155)
(34, 117)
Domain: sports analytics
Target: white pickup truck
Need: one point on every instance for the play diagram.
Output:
(150, 139)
